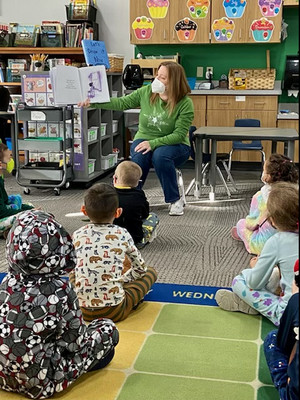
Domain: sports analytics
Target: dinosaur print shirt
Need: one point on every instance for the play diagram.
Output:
(101, 250)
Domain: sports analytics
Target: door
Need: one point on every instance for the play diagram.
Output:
(263, 22)
(148, 24)
(228, 21)
(190, 21)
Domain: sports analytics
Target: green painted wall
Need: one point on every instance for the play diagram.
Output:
(222, 57)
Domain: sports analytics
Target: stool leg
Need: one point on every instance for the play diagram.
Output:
(190, 187)
(181, 185)
(229, 162)
(223, 180)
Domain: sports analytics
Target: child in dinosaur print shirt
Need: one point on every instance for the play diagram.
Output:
(102, 283)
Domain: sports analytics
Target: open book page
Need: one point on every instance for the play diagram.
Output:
(66, 85)
(94, 84)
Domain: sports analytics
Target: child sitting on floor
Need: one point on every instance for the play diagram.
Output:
(10, 206)
(135, 216)
(44, 343)
(103, 289)
(281, 347)
(250, 292)
(255, 229)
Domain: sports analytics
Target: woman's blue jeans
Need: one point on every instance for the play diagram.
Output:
(165, 160)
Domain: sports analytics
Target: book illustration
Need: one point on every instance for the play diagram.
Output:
(94, 84)
(50, 99)
(29, 99)
(36, 89)
(41, 99)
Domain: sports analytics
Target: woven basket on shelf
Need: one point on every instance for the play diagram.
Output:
(116, 63)
(257, 79)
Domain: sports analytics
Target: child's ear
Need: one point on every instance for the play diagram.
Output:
(118, 212)
(114, 179)
(83, 210)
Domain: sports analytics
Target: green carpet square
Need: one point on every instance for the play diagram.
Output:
(155, 387)
(201, 357)
(264, 373)
(266, 327)
(207, 322)
(267, 393)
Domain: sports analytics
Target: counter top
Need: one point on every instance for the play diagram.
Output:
(291, 111)
(229, 92)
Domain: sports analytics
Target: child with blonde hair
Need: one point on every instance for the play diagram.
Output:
(135, 217)
(250, 293)
(255, 229)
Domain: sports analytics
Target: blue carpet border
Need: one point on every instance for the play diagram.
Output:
(181, 294)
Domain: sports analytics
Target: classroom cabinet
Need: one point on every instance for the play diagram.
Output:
(224, 110)
(199, 110)
(245, 21)
(291, 124)
(180, 21)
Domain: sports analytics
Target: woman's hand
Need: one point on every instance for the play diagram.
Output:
(86, 103)
(143, 147)
(253, 261)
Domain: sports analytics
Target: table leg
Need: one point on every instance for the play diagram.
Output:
(290, 149)
(212, 170)
(274, 147)
(198, 165)
(14, 136)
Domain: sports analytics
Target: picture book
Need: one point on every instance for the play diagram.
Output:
(95, 53)
(72, 85)
(37, 89)
(26, 35)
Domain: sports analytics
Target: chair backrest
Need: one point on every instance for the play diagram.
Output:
(192, 140)
(247, 122)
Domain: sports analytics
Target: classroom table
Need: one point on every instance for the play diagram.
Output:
(216, 133)
(11, 115)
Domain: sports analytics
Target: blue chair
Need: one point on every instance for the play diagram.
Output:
(221, 158)
(239, 145)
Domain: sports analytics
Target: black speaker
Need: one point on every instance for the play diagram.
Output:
(132, 77)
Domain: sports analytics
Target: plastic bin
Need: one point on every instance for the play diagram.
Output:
(115, 124)
(92, 133)
(91, 165)
(107, 161)
(192, 83)
(103, 128)
(52, 40)
(81, 12)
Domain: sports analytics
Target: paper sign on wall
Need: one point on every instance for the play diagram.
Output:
(262, 29)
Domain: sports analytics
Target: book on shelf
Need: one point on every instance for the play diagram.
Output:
(14, 69)
(75, 33)
(26, 35)
(72, 85)
(52, 27)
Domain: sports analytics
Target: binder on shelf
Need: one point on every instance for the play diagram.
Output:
(95, 53)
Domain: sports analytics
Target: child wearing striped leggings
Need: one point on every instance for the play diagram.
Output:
(103, 286)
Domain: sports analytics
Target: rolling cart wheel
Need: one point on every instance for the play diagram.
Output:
(26, 191)
(67, 185)
(57, 191)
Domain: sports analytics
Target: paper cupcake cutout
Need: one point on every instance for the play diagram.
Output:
(143, 28)
(158, 8)
(186, 30)
(269, 8)
(234, 8)
(262, 29)
(198, 8)
(223, 29)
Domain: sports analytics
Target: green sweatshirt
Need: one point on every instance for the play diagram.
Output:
(155, 123)
(4, 211)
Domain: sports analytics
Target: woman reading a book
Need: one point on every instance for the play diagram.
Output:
(162, 138)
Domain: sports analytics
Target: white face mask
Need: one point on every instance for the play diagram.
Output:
(157, 86)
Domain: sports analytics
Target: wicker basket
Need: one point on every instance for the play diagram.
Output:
(257, 79)
(116, 63)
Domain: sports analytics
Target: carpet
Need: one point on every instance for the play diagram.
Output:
(194, 249)
(181, 352)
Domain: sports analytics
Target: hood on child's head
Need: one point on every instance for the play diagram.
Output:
(37, 245)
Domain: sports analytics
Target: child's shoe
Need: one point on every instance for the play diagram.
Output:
(234, 234)
(229, 301)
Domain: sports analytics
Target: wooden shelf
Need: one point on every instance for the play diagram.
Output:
(39, 50)
(291, 2)
(10, 83)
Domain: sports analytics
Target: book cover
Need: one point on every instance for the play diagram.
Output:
(72, 85)
(95, 53)
(26, 35)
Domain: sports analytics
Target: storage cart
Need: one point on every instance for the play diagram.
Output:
(55, 169)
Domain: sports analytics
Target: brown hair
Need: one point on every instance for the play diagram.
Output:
(128, 173)
(101, 202)
(283, 206)
(178, 86)
(281, 168)
(3, 148)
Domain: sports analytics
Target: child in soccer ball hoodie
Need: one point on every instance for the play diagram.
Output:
(44, 343)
